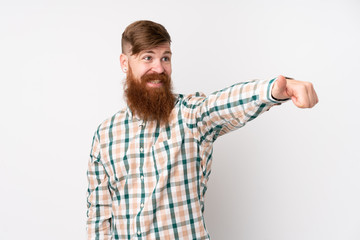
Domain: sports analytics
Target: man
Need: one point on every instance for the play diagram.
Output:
(150, 163)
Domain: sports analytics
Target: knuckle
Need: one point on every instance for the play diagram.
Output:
(303, 87)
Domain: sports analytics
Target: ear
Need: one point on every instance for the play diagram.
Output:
(124, 62)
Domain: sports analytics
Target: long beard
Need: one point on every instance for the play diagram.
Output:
(150, 103)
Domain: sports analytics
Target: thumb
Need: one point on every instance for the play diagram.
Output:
(279, 88)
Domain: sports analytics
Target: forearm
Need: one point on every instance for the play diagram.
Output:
(232, 107)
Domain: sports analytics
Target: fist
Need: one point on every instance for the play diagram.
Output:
(301, 93)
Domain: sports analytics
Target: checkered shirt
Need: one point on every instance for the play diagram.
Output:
(148, 181)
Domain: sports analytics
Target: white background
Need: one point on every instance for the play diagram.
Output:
(290, 174)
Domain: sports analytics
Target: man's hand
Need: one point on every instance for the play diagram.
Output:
(301, 93)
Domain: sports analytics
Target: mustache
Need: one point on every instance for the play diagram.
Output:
(163, 77)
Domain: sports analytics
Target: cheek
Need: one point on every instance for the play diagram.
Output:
(168, 69)
(140, 71)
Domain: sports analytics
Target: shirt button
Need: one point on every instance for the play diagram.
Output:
(139, 233)
(141, 149)
(142, 205)
(142, 177)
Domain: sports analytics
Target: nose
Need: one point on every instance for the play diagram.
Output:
(158, 67)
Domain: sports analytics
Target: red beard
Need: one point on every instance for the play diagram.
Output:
(150, 103)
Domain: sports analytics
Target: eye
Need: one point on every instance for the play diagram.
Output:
(165, 59)
(147, 58)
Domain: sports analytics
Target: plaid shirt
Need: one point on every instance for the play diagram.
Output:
(148, 181)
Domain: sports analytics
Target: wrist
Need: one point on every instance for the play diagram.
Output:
(280, 100)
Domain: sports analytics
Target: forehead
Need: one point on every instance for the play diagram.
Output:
(160, 49)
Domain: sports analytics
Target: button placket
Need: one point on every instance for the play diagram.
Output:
(141, 174)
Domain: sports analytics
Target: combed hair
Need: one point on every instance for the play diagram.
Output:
(143, 35)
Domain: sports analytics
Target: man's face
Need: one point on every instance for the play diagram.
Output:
(148, 88)
(155, 60)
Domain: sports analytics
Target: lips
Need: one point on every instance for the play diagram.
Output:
(155, 80)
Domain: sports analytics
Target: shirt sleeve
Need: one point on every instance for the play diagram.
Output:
(230, 108)
(98, 196)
